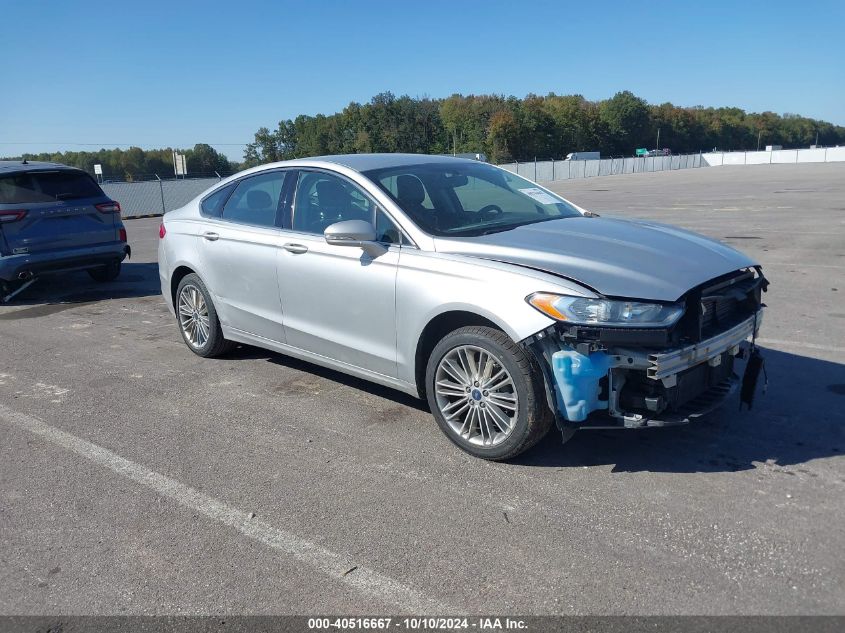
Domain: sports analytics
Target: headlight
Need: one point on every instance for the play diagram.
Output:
(584, 311)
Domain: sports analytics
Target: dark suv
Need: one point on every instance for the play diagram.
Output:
(55, 218)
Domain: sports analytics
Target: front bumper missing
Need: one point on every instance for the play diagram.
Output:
(698, 407)
(662, 365)
(659, 379)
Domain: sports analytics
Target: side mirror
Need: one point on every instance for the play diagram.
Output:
(351, 233)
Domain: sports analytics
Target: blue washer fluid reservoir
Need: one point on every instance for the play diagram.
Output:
(577, 377)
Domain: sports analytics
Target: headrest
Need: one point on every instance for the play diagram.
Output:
(257, 200)
(409, 189)
(332, 194)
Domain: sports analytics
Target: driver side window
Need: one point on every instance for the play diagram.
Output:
(323, 199)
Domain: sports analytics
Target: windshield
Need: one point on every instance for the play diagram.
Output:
(472, 198)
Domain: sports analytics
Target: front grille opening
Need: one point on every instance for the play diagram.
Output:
(690, 384)
(722, 303)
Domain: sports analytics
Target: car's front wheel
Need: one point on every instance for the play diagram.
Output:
(487, 393)
(198, 320)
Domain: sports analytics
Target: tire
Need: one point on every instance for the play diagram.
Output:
(200, 328)
(107, 273)
(476, 416)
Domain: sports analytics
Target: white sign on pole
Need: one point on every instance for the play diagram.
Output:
(180, 165)
(98, 170)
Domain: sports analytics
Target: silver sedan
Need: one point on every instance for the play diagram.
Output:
(508, 308)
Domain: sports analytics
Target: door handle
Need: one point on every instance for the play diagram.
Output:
(295, 248)
(211, 237)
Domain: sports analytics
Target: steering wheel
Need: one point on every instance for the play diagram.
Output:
(490, 210)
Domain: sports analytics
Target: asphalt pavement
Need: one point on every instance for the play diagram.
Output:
(137, 478)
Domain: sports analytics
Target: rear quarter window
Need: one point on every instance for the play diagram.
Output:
(212, 206)
(47, 186)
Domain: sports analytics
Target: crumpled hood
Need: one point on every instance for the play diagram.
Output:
(615, 257)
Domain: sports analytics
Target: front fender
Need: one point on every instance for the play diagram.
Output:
(430, 284)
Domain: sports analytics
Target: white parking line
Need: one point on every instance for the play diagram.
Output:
(332, 564)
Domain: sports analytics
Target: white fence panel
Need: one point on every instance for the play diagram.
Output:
(835, 154)
(545, 171)
(785, 156)
(757, 158)
(812, 155)
(526, 170)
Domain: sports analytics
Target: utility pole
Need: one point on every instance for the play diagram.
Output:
(759, 134)
(657, 146)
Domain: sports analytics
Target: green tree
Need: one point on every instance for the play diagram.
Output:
(628, 122)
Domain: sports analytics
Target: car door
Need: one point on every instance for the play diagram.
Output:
(239, 245)
(339, 300)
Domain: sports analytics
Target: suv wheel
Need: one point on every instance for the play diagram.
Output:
(198, 320)
(106, 273)
(486, 393)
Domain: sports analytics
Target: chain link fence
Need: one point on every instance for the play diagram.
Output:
(549, 170)
(155, 197)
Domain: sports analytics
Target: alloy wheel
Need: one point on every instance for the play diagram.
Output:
(476, 395)
(193, 316)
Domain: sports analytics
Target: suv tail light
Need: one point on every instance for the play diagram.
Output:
(122, 234)
(162, 231)
(108, 207)
(11, 216)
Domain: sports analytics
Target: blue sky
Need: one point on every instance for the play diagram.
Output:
(157, 74)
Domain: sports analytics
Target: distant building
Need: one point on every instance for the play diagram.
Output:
(478, 156)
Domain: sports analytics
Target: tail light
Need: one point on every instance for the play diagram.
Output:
(162, 231)
(11, 216)
(108, 207)
(122, 234)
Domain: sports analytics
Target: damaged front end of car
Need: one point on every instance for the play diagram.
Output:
(667, 364)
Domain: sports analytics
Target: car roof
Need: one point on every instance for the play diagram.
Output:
(31, 165)
(366, 162)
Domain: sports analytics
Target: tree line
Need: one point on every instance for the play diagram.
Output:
(503, 128)
(551, 126)
(140, 164)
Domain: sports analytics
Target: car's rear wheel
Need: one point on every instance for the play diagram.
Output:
(486, 393)
(198, 320)
(110, 272)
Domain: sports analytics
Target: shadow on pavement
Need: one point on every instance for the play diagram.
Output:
(249, 352)
(800, 418)
(135, 280)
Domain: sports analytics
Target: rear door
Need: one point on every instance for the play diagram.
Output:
(52, 210)
(239, 250)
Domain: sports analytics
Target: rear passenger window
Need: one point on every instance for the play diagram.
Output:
(212, 206)
(256, 200)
